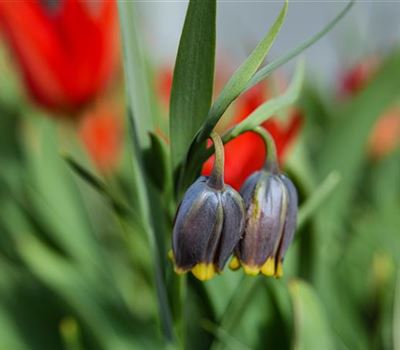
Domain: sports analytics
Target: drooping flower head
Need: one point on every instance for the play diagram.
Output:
(208, 225)
(271, 214)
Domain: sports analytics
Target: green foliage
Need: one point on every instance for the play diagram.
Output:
(193, 77)
(239, 80)
(83, 255)
(311, 321)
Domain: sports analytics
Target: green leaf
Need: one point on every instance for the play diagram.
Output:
(269, 108)
(138, 82)
(312, 330)
(269, 68)
(344, 147)
(140, 115)
(73, 286)
(10, 336)
(193, 77)
(156, 162)
(396, 316)
(239, 80)
(260, 115)
(55, 197)
(98, 185)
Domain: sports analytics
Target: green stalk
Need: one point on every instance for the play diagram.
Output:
(271, 160)
(216, 179)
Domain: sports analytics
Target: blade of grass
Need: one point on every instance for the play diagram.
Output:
(269, 108)
(98, 185)
(239, 80)
(138, 82)
(269, 68)
(312, 329)
(193, 80)
(140, 115)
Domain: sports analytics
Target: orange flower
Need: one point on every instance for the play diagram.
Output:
(385, 136)
(66, 49)
(101, 132)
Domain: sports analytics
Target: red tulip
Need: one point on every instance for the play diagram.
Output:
(246, 153)
(65, 49)
(101, 132)
(357, 76)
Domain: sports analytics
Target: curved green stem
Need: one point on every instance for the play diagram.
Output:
(216, 179)
(271, 161)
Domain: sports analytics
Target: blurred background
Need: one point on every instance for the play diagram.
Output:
(75, 273)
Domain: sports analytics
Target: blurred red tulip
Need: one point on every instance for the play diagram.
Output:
(101, 132)
(66, 49)
(246, 153)
(357, 76)
(163, 85)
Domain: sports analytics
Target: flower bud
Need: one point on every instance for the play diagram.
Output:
(208, 225)
(271, 213)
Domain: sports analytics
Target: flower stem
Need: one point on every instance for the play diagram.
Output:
(216, 179)
(271, 161)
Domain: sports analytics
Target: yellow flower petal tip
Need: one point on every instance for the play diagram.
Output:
(234, 263)
(279, 270)
(251, 270)
(204, 272)
(268, 269)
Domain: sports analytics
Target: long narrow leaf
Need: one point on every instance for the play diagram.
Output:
(140, 118)
(311, 326)
(260, 115)
(193, 77)
(269, 108)
(97, 184)
(137, 79)
(242, 76)
(268, 69)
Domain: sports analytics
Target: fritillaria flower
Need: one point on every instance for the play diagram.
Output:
(209, 223)
(271, 211)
